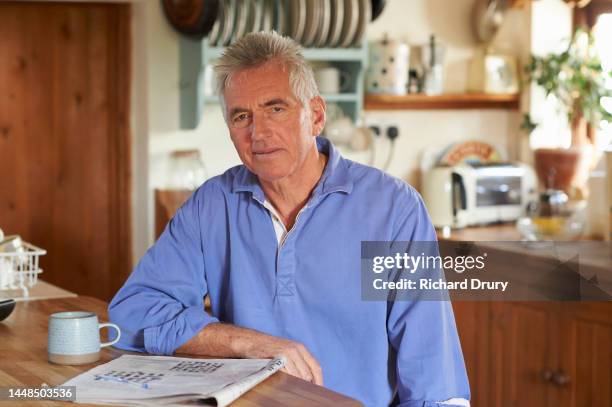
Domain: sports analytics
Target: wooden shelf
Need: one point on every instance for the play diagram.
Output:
(446, 101)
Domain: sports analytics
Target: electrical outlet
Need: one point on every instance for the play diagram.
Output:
(392, 132)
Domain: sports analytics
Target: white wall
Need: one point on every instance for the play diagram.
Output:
(413, 20)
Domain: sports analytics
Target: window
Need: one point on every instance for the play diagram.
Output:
(602, 31)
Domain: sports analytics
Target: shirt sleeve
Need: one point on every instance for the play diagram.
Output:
(161, 306)
(429, 364)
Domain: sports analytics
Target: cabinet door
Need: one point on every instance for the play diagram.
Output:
(473, 324)
(523, 351)
(64, 139)
(584, 377)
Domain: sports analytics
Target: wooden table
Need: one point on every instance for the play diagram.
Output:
(41, 291)
(23, 360)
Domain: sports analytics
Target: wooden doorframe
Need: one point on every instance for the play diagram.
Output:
(122, 159)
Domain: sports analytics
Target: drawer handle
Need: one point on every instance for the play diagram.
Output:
(547, 375)
(560, 379)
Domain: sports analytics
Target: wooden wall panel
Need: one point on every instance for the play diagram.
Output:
(64, 139)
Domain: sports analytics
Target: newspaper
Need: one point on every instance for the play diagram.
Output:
(170, 381)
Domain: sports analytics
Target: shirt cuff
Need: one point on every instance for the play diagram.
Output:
(454, 402)
(164, 339)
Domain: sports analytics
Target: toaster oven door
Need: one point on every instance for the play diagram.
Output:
(498, 190)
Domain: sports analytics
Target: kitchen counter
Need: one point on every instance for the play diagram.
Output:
(23, 360)
(556, 267)
(503, 232)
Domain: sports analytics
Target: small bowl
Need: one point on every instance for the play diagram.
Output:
(6, 307)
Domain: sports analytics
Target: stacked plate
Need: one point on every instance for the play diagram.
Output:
(312, 23)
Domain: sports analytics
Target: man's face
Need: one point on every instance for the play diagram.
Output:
(270, 128)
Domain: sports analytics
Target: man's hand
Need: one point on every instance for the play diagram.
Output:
(226, 340)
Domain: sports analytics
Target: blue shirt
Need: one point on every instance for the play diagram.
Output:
(222, 242)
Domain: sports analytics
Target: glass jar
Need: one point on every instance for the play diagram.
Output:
(185, 170)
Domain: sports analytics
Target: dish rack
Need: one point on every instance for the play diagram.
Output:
(19, 270)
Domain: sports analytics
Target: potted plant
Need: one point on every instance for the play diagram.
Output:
(577, 79)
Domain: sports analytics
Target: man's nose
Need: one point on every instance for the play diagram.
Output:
(260, 127)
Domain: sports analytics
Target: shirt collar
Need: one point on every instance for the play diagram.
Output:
(335, 176)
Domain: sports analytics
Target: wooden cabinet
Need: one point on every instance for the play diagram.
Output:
(585, 359)
(65, 139)
(537, 353)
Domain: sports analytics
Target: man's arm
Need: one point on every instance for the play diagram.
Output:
(160, 308)
(225, 340)
(429, 365)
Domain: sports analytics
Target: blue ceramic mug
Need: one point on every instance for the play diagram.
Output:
(74, 337)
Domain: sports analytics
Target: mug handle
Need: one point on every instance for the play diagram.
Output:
(345, 81)
(110, 325)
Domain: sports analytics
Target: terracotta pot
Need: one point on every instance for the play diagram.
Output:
(564, 168)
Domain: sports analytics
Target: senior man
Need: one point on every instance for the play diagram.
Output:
(275, 243)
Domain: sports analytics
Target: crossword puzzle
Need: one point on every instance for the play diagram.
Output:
(133, 376)
(197, 367)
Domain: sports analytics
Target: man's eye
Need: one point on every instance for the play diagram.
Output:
(241, 117)
(277, 109)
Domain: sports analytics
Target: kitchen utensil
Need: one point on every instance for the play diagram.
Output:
(280, 17)
(297, 18)
(243, 16)
(19, 268)
(74, 337)
(256, 15)
(213, 35)
(340, 131)
(488, 16)
(336, 22)
(433, 55)
(388, 69)
(267, 19)
(377, 8)
(194, 18)
(365, 13)
(11, 244)
(351, 21)
(312, 22)
(324, 18)
(186, 170)
(552, 217)
(228, 24)
(6, 307)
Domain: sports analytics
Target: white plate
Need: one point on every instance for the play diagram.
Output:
(257, 11)
(250, 14)
(267, 19)
(297, 11)
(325, 19)
(364, 18)
(228, 24)
(312, 22)
(351, 19)
(280, 17)
(336, 21)
(213, 36)
(241, 19)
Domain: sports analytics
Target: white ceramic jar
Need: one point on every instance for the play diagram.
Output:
(388, 68)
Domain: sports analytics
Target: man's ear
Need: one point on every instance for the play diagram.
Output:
(317, 118)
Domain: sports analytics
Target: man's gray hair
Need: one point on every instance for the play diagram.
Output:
(254, 50)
